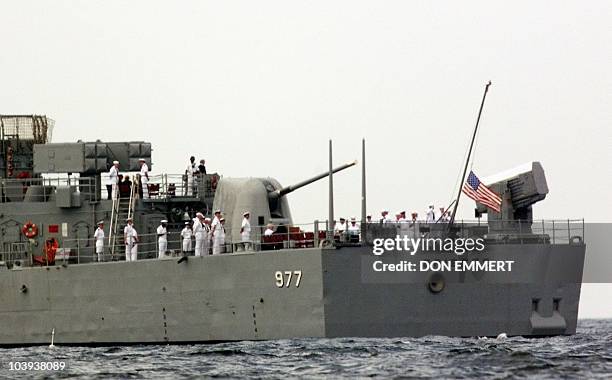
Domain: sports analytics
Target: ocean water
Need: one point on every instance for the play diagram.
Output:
(586, 355)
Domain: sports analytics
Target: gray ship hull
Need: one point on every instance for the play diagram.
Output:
(238, 297)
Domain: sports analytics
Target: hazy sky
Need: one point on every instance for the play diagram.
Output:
(257, 89)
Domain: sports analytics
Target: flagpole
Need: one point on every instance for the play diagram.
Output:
(467, 161)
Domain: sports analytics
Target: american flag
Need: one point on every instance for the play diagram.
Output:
(477, 190)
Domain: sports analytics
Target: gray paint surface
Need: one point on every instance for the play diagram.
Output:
(235, 297)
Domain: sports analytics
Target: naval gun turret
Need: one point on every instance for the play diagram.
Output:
(264, 198)
(520, 188)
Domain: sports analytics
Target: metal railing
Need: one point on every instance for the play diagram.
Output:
(163, 186)
(45, 189)
(558, 231)
(75, 251)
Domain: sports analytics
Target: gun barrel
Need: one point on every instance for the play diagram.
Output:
(288, 189)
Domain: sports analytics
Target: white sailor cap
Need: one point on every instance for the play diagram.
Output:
(142, 159)
(218, 211)
(100, 222)
(199, 214)
(398, 213)
(207, 219)
(163, 221)
(369, 215)
(342, 218)
(246, 213)
(353, 219)
(128, 219)
(186, 223)
(115, 162)
(222, 220)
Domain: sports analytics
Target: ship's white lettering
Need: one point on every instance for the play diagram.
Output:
(284, 278)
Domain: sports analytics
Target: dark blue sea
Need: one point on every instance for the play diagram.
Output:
(586, 355)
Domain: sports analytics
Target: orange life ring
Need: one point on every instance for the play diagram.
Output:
(30, 230)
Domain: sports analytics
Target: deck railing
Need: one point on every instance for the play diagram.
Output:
(44, 189)
(75, 251)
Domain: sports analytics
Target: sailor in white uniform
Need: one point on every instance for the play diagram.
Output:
(186, 234)
(128, 237)
(134, 251)
(385, 216)
(191, 168)
(340, 228)
(199, 233)
(162, 239)
(431, 214)
(113, 181)
(99, 237)
(219, 237)
(144, 178)
(245, 231)
(269, 230)
(354, 229)
(215, 220)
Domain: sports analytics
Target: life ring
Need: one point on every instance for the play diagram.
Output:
(213, 182)
(30, 230)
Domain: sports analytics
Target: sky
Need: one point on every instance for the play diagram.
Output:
(258, 88)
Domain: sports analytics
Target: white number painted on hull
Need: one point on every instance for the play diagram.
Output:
(283, 279)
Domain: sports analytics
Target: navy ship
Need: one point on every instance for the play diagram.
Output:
(302, 281)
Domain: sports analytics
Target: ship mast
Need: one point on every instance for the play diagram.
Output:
(467, 161)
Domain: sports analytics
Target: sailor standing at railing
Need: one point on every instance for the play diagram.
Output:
(128, 237)
(354, 229)
(99, 236)
(385, 216)
(191, 168)
(200, 234)
(134, 251)
(162, 239)
(186, 234)
(215, 220)
(245, 231)
(144, 178)
(219, 236)
(431, 214)
(113, 180)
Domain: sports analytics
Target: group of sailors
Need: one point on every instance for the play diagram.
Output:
(351, 227)
(400, 217)
(130, 238)
(142, 180)
(208, 235)
(192, 173)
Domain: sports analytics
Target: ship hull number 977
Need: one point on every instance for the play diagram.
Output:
(288, 278)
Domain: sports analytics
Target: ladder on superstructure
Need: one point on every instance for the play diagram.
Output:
(121, 210)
